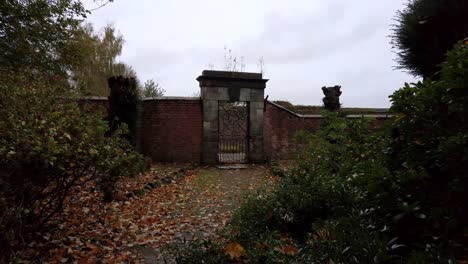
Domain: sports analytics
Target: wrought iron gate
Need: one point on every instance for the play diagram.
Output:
(233, 132)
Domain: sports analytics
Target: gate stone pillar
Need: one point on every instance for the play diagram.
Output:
(218, 86)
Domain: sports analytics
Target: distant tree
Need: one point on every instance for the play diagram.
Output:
(152, 89)
(123, 69)
(86, 74)
(425, 31)
(98, 60)
(37, 38)
(110, 46)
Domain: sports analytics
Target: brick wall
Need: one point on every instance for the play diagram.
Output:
(280, 126)
(171, 130)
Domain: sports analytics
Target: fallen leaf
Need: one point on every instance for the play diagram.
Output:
(234, 251)
(289, 250)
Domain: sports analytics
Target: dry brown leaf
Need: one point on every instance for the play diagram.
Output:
(234, 251)
(289, 250)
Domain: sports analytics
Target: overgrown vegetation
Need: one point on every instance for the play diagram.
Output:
(48, 145)
(392, 196)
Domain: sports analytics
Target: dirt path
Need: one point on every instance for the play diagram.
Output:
(212, 196)
(134, 227)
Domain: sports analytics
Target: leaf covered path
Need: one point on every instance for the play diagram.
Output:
(132, 230)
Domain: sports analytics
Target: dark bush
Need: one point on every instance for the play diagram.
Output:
(425, 31)
(48, 145)
(123, 106)
(429, 153)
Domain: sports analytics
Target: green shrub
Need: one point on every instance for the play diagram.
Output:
(277, 170)
(348, 239)
(256, 217)
(196, 251)
(429, 153)
(48, 145)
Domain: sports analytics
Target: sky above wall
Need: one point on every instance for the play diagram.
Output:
(304, 44)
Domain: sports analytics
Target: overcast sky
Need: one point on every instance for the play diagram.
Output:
(304, 44)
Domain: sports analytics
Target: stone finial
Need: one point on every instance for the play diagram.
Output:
(331, 100)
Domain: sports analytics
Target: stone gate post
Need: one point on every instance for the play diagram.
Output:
(218, 86)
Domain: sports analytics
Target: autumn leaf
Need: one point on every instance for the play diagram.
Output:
(234, 251)
(288, 250)
(92, 248)
(322, 234)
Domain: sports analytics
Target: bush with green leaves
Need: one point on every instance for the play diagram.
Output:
(429, 153)
(48, 145)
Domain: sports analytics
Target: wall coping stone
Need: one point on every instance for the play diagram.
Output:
(97, 98)
(216, 79)
(318, 116)
(186, 98)
(231, 74)
(182, 98)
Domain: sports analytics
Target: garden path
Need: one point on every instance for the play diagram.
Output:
(169, 204)
(212, 196)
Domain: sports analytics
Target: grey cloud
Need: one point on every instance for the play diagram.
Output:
(305, 44)
(286, 41)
